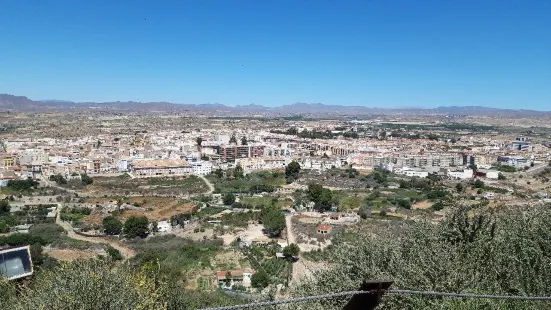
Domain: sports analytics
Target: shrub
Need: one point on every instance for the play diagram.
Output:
(91, 284)
(114, 253)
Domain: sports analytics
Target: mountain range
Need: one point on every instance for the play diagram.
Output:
(24, 104)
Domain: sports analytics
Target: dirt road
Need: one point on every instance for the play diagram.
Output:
(125, 251)
(209, 184)
(300, 269)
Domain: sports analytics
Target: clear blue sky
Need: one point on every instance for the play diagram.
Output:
(273, 52)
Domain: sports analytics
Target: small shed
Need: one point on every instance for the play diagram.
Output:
(324, 229)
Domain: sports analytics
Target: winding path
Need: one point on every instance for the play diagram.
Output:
(209, 184)
(125, 251)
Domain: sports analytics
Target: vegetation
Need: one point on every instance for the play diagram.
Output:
(292, 172)
(505, 168)
(228, 199)
(273, 220)
(112, 226)
(322, 197)
(260, 279)
(248, 183)
(136, 226)
(472, 251)
(114, 254)
(59, 179)
(175, 256)
(290, 251)
(22, 185)
(94, 284)
(74, 214)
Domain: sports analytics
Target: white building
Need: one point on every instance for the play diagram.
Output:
(492, 174)
(202, 167)
(161, 168)
(465, 174)
(164, 226)
(413, 172)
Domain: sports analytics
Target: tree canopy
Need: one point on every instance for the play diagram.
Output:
(273, 220)
(471, 251)
(292, 172)
(260, 279)
(322, 197)
(112, 226)
(4, 206)
(136, 226)
(292, 250)
(228, 199)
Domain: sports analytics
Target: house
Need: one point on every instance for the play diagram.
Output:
(161, 168)
(335, 216)
(324, 229)
(228, 278)
(164, 226)
(492, 174)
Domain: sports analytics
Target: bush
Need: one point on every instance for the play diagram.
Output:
(4, 206)
(114, 253)
(22, 185)
(47, 232)
(82, 285)
(482, 252)
(228, 199)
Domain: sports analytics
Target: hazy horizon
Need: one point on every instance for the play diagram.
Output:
(352, 53)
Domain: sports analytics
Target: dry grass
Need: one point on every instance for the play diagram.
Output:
(422, 205)
(156, 208)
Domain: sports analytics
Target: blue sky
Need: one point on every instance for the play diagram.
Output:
(372, 53)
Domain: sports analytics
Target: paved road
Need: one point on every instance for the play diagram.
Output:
(126, 252)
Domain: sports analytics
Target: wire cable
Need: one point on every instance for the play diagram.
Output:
(397, 292)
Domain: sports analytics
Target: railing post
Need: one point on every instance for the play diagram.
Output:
(368, 301)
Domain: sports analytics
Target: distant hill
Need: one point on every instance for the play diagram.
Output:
(21, 103)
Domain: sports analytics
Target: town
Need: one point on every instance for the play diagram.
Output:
(248, 205)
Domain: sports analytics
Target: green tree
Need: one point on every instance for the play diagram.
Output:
(112, 226)
(228, 278)
(219, 173)
(199, 141)
(273, 220)
(292, 250)
(228, 199)
(260, 279)
(478, 184)
(238, 172)
(459, 187)
(37, 255)
(322, 197)
(136, 226)
(4, 227)
(233, 139)
(292, 172)
(86, 179)
(244, 141)
(4, 206)
(501, 176)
